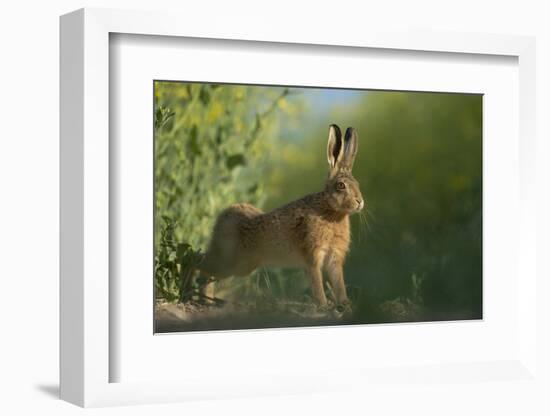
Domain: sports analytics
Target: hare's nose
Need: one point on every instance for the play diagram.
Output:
(361, 203)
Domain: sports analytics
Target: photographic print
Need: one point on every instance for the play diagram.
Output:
(287, 206)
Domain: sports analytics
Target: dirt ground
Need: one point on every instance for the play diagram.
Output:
(265, 313)
(193, 316)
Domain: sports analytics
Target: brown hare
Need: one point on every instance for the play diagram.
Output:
(311, 232)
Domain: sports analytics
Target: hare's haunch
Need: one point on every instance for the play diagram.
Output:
(311, 232)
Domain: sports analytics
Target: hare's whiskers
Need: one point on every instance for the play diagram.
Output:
(370, 214)
(360, 228)
(363, 223)
(367, 222)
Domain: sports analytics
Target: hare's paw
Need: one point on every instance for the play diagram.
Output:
(343, 310)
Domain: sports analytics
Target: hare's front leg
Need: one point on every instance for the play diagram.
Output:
(335, 270)
(316, 278)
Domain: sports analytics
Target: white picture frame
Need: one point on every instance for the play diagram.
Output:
(85, 355)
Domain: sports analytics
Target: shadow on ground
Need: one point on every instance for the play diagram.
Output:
(51, 390)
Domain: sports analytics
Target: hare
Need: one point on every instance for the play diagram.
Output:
(312, 232)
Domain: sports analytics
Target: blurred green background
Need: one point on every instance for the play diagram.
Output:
(418, 255)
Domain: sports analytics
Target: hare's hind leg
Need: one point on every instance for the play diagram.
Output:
(207, 290)
(210, 272)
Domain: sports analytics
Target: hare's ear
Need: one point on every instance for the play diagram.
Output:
(350, 147)
(334, 146)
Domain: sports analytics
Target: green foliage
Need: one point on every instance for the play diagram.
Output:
(162, 115)
(174, 263)
(210, 143)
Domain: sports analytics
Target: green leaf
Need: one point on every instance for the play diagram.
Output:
(204, 95)
(194, 146)
(162, 115)
(182, 249)
(253, 188)
(235, 160)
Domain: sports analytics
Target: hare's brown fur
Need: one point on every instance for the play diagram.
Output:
(311, 232)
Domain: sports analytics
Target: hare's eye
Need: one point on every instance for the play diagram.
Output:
(340, 185)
